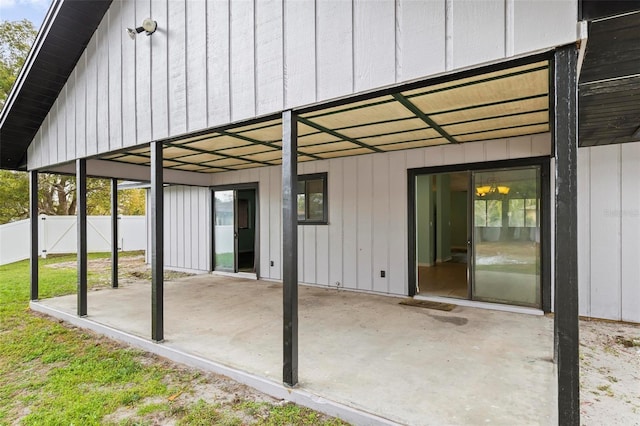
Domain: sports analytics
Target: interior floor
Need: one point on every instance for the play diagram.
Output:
(448, 279)
(246, 262)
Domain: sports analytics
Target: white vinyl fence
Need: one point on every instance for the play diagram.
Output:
(57, 234)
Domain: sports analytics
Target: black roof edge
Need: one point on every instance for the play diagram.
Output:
(94, 12)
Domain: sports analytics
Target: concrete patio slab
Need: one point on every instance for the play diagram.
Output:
(364, 352)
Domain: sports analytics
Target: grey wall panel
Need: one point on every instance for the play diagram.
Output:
(91, 105)
(143, 75)
(128, 74)
(397, 237)
(478, 31)
(630, 212)
(299, 52)
(187, 228)
(335, 179)
(273, 201)
(542, 23)
(584, 223)
(52, 134)
(269, 57)
(609, 231)
(349, 222)
(218, 60)
(115, 38)
(334, 27)
(420, 38)
(159, 73)
(374, 43)
(70, 112)
(380, 222)
(176, 58)
(61, 125)
(102, 80)
(242, 53)
(196, 21)
(605, 232)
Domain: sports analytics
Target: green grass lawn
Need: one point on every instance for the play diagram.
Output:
(52, 374)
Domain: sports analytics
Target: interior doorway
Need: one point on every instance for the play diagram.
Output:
(235, 229)
(478, 235)
(442, 234)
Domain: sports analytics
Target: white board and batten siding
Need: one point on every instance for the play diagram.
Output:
(213, 63)
(367, 230)
(187, 228)
(609, 231)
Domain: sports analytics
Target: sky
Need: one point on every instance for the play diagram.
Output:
(16, 10)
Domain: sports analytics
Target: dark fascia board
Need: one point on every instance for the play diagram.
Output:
(596, 9)
(63, 37)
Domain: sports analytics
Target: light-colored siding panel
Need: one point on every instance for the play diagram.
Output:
(269, 57)
(541, 144)
(519, 147)
(496, 150)
(91, 104)
(81, 140)
(364, 228)
(103, 85)
(454, 154)
(218, 62)
(275, 221)
(543, 23)
(478, 31)
(128, 63)
(185, 229)
(196, 64)
(433, 157)
(243, 88)
(308, 254)
(374, 45)
(264, 201)
(71, 118)
(380, 231)
(420, 43)
(584, 233)
(176, 56)
(473, 152)
(350, 221)
(159, 76)
(299, 52)
(630, 212)
(322, 255)
(335, 187)
(335, 48)
(143, 72)
(51, 135)
(397, 223)
(61, 124)
(605, 237)
(115, 36)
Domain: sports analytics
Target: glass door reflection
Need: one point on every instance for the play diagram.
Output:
(506, 236)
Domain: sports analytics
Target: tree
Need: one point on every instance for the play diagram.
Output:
(16, 38)
(56, 193)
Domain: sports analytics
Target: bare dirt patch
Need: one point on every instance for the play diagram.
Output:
(609, 373)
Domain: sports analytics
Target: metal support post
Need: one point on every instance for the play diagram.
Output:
(290, 246)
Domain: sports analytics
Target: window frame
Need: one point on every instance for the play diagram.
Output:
(325, 199)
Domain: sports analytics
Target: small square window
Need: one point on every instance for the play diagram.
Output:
(312, 199)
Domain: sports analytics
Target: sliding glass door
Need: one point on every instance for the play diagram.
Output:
(478, 235)
(506, 236)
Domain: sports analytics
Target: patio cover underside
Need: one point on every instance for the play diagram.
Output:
(496, 104)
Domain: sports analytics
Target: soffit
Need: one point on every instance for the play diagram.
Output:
(498, 104)
(609, 86)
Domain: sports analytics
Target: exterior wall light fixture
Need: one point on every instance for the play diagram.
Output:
(148, 25)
